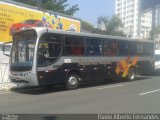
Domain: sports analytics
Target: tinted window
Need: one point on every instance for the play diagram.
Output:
(140, 49)
(74, 46)
(123, 48)
(146, 49)
(151, 46)
(106, 47)
(133, 48)
(93, 46)
(113, 48)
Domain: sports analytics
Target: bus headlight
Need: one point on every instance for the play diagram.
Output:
(26, 74)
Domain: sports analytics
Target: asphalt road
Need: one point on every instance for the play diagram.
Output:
(139, 96)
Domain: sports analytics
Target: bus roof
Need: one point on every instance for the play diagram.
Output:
(42, 30)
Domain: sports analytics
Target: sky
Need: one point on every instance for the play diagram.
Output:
(90, 10)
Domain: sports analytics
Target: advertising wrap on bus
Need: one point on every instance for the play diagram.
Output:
(14, 18)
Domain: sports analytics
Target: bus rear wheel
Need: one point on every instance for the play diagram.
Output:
(131, 74)
(72, 82)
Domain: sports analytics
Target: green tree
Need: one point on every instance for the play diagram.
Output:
(60, 6)
(112, 26)
(88, 26)
(102, 23)
(28, 2)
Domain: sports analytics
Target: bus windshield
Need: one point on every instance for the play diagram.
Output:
(22, 52)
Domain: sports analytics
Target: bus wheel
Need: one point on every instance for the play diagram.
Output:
(72, 82)
(131, 74)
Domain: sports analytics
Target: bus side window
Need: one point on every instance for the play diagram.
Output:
(133, 47)
(150, 49)
(93, 46)
(140, 49)
(41, 53)
(74, 46)
(106, 47)
(68, 47)
(123, 48)
(151, 46)
(146, 49)
(112, 48)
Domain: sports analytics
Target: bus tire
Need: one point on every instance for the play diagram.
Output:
(72, 82)
(131, 74)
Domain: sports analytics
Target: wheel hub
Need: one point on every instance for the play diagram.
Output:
(72, 80)
(131, 74)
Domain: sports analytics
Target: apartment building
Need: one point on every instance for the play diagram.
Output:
(128, 11)
(158, 16)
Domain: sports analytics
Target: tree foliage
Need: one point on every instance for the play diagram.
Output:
(105, 26)
(60, 6)
(28, 2)
(102, 23)
(112, 26)
(87, 25)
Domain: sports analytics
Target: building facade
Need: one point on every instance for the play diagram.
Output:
(158, 16)
(128, 11)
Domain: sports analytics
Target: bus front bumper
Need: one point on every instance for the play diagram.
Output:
(19, 79)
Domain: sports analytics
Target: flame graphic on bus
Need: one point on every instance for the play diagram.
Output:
(124, 65)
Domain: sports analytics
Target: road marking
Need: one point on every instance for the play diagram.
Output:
(149, 92)
(110, 87)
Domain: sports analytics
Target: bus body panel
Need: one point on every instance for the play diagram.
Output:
(88, 69)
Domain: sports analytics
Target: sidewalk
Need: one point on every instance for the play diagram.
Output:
(4, 87)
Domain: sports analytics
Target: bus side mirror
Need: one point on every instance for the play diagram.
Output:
(6, 47)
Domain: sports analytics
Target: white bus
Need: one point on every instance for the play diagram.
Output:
(157, 60)
(41, 56)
